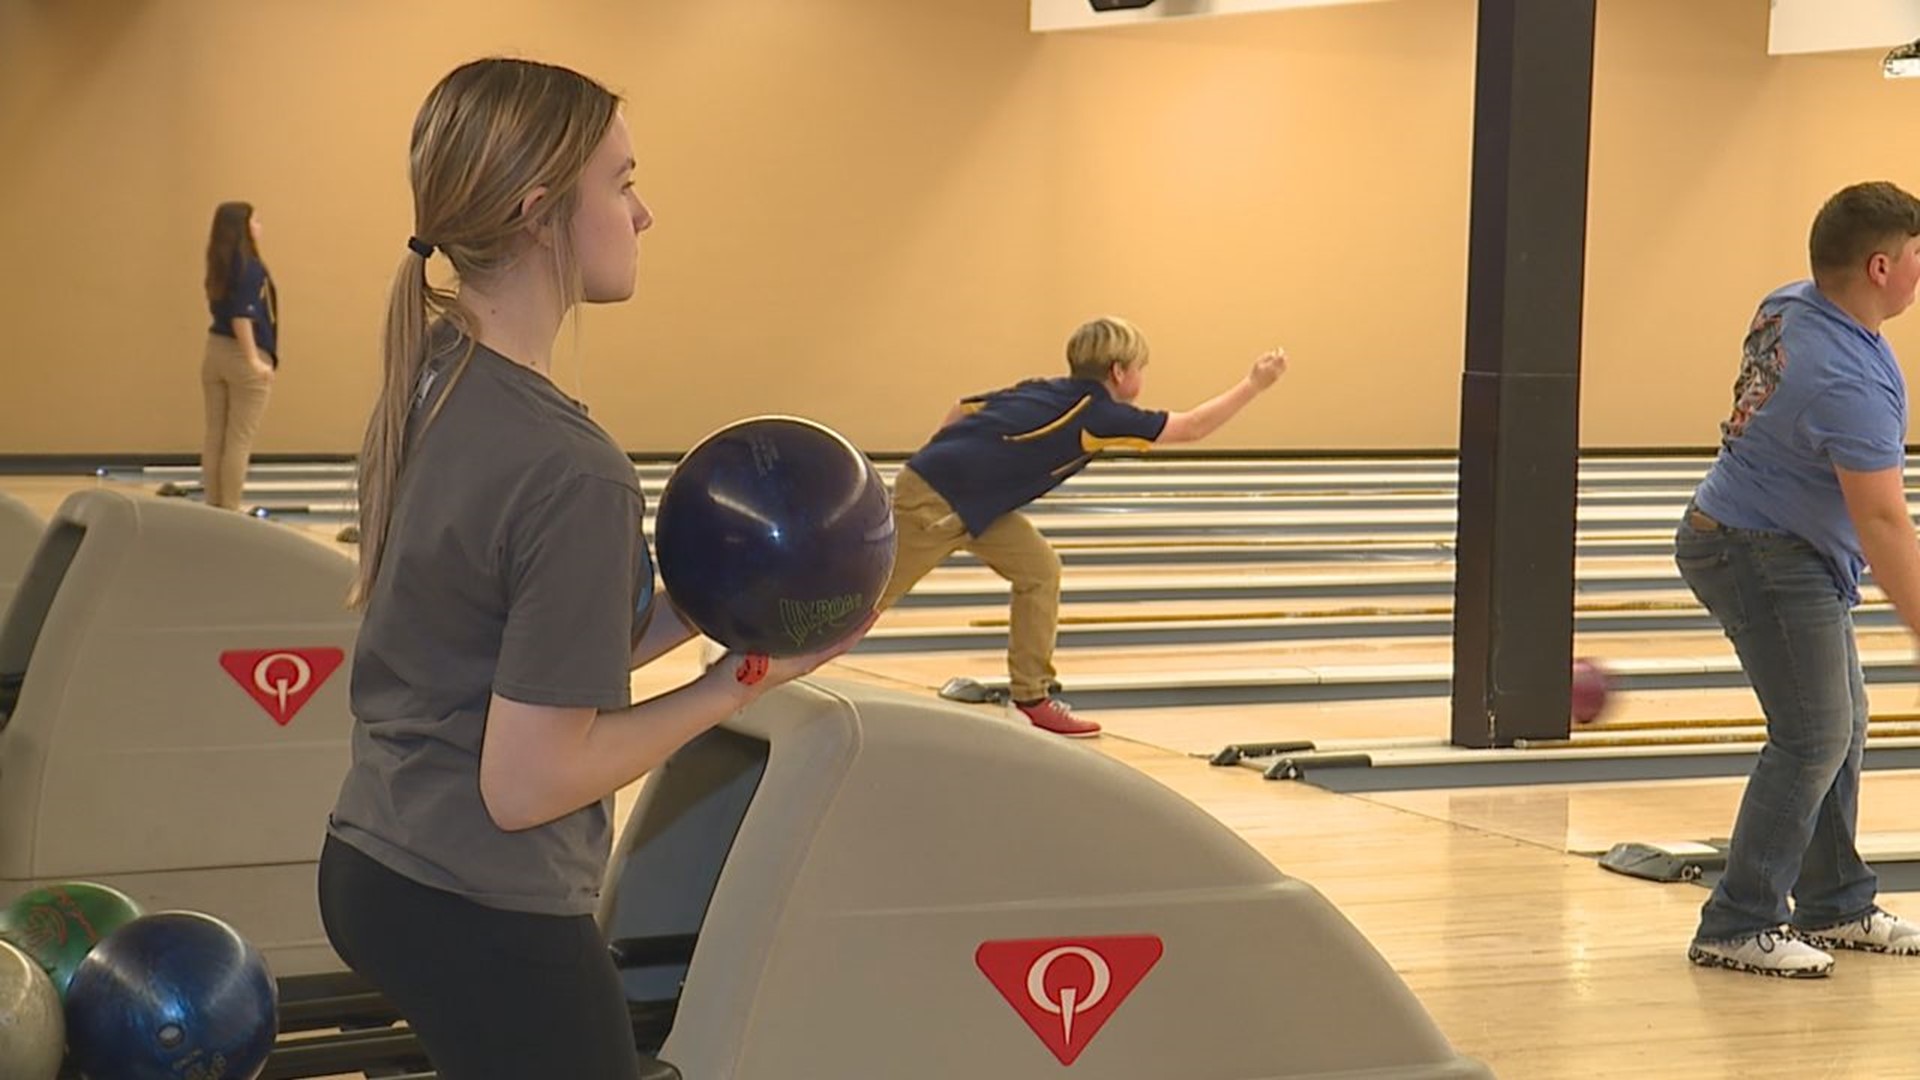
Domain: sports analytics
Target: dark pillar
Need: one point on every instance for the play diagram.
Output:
(1520, 398)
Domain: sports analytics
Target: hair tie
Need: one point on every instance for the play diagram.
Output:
(420, 247)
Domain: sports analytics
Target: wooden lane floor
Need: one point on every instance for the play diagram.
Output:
(1371, 633)
(1202, 730)
(1318, 656)
(1397, 521)
(1431, 573)
(1111, 480)
(44, 494)
(1379, 636)
(1332, 620)
(1143, 611)
(1136, 471)
(1590, 818)
(1147, 480)
(1698, 657)
(1110, 527)
(1168, 489)
(1544, 965)
(977, 585)
(1119, 470)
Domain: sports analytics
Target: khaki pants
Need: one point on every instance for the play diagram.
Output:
(236, 394)
(929, 531)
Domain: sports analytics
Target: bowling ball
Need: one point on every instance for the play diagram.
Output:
(33, 1032)
(57, 924)
(173, 995)
(775, 535)
(1590, 690)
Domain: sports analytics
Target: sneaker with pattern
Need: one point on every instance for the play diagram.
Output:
(1770, 952)
(1876, 931)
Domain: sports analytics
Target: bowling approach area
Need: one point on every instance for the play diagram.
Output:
(776, 883)
(1448, 917)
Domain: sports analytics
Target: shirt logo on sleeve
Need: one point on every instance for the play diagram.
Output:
(1762, 362)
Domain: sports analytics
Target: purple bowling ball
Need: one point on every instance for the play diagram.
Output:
(775, 535)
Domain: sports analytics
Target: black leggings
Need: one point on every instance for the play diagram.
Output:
(492, 994)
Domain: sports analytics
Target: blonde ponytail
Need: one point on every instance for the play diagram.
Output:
(489, 134)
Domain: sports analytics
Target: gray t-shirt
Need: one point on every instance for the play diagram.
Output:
(515, 565)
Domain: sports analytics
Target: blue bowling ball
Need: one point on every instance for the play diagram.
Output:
(775, 535)
(172, 995)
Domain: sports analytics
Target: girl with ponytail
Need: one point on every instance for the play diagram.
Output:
(508, 594)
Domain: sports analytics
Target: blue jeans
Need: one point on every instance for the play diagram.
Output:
(1778, 603)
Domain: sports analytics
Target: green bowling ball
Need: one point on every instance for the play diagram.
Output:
(58, 924)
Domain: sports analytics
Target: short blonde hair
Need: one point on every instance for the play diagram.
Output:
(1096, 347)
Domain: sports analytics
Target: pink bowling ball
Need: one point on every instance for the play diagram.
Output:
(1589, 690)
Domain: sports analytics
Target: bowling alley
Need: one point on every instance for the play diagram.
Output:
(830, 540)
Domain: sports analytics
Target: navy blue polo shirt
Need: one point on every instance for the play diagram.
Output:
(1017, 444)
(250, 295)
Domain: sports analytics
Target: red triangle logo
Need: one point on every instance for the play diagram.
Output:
(281, 680)
(1066, 988)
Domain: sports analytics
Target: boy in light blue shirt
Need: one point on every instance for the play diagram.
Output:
(1807, 491)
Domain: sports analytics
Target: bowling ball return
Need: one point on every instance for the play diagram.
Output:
(845, 881)
(880, 884)
(174, 715)
(20, 530)
(840, 881)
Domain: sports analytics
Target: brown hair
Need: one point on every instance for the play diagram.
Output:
(1858, 222)
(229, 242)
(487, 136)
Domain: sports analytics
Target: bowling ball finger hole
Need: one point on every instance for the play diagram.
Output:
(171, 1036)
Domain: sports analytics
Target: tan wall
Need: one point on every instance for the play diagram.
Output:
(867, 208)
(1709, 161)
